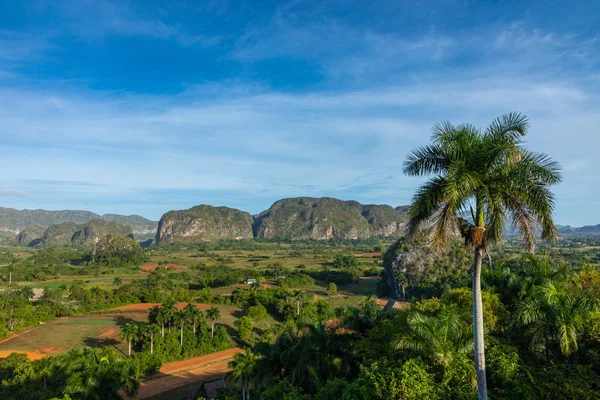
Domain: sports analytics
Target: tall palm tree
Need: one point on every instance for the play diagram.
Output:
(129, 332)
(152, 314)
(179, 318)
(149, 331)
(170, 311)
(494, 177)
(213, 314)
(244, 370)
(440, 337)
(193, 315)
(162, 317)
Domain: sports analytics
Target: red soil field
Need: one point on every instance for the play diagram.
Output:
(151, 266)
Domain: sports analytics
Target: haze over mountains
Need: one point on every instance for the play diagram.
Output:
(301, 218)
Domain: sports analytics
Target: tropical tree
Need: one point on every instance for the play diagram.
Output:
(96, 375)
(45, 368)
(440, 337)
(163, 316)
(118, 281)
(149, 331)
(193, 315)
(244, 370)
(213, 314)
(314, 357)
(553, 314)
(153, 313)
(179, 318)
(129, 332)
(170, 311)
(491, 175)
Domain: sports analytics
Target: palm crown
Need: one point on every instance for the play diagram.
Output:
(490, 171)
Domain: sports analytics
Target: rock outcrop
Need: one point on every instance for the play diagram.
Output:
(70, 233)
(204, 223)
(31, 235)
(307, 218)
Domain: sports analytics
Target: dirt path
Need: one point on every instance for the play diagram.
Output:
(33, 355)
(194, 370)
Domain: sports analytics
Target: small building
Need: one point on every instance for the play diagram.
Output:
(251, 281)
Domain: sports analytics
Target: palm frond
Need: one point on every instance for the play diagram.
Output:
(426, 201)
(426, 160)
(508, 127)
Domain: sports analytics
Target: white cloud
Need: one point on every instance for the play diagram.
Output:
(13, 193)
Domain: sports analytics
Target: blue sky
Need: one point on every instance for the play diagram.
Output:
(142, 107)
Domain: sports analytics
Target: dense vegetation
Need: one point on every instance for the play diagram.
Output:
(303, 339)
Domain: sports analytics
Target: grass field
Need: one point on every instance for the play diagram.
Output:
(94, 330)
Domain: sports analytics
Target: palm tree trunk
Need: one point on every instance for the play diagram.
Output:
(478, 325)
(212, 329)
(181, 336)
(194, 328)
(151, 344)
(130, 347)
(163, 329)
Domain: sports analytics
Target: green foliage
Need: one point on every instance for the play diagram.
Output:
(257, 312)
(244, 327)
(118, 251)
(332, 289)
(80, 373)
(385, 380)
(345, 261)
(298, 280)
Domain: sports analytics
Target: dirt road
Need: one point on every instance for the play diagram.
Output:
(194, 370)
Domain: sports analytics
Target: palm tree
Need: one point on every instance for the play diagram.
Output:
(170, 311)
(129, 332)
(244, 370)
(193, 315)
(314, 356)
(440, 337)
(179, 317)
(213, 314)
(45, 368)
(555, 314)
(495, 172)
(150, 330)
(153, 313)
(98, 374)
(117, 281)
(162, 317)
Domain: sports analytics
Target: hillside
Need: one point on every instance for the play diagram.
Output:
(588, 229)
(31, 235)
(70, 233)
(13, 221)
(204, 223)
(327, 218)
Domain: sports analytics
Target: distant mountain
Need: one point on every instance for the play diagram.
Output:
(204, 223)
(328, 218)
(14, 221)
(588, 229)
(287, 219)
(70, 233)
